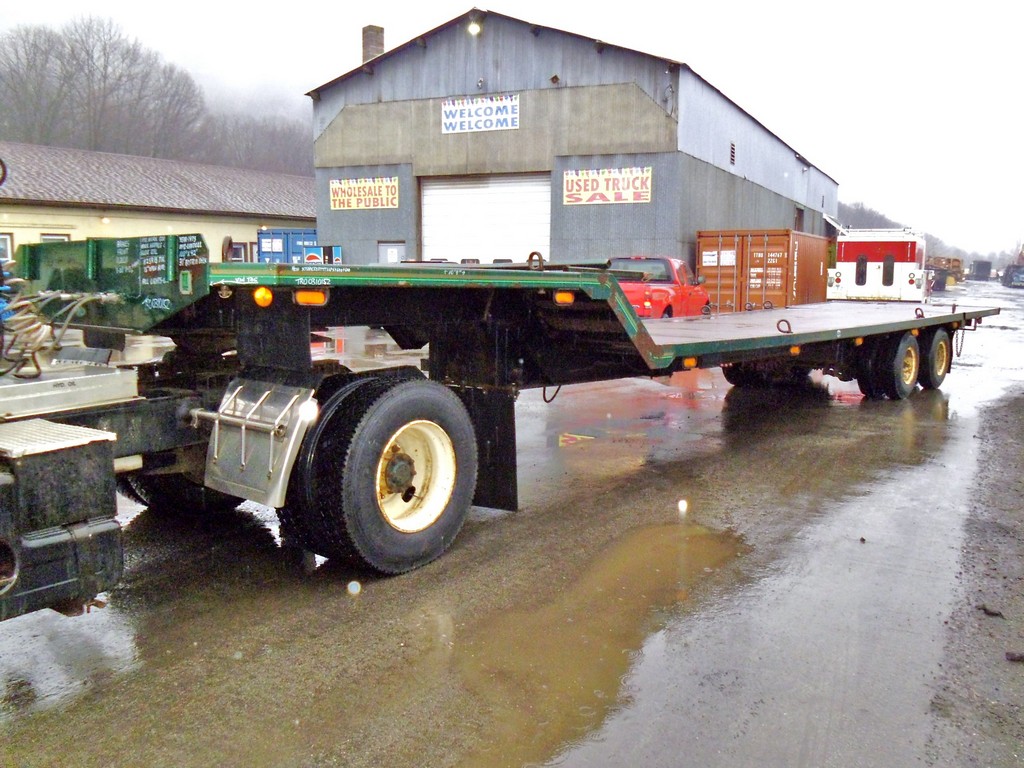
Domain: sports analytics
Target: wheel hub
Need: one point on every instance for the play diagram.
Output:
(399, 471)
(419, 452)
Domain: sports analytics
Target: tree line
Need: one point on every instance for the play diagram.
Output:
(89, 86)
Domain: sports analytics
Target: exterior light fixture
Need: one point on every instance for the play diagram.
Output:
(474, 28)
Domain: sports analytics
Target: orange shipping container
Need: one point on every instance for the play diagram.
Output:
(759, 268)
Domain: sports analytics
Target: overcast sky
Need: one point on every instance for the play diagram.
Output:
(915, 111)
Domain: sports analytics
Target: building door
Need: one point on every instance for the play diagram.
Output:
(486, 217)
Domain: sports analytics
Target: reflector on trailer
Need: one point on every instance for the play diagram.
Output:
(311, 298)
(564, 297)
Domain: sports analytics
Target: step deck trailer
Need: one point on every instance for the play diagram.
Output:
(386, 463)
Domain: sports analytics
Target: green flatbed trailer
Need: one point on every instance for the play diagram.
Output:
(385, 463)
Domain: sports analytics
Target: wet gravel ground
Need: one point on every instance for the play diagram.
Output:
(980, 706)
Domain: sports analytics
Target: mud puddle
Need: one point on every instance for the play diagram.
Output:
(550, 674)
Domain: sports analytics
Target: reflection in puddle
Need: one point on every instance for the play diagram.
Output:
(549, 675)
(47, 658)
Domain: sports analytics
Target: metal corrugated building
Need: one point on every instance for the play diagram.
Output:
(524, 138)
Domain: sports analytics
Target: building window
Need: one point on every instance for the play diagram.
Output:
(888, 269)
(861, 276)
(6, 246)
(44, 238)
(732, 153)
(798, 219)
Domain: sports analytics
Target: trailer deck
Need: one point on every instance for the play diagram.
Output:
(705, 341)
(714, 337)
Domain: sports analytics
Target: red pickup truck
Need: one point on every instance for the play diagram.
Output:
(662, 287)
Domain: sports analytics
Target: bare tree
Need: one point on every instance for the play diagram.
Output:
(273, 144)
(34, 86)
(169, 111)
(91, 87)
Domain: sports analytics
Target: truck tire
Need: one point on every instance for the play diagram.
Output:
(389, 474)
(936, 359)
(300, 510)
(899, 367)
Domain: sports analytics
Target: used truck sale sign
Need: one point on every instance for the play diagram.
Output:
(606, 185)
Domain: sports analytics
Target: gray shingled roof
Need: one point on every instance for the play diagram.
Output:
(55, 175)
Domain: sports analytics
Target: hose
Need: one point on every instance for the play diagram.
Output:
(26, 330)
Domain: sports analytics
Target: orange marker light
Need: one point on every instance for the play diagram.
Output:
(565, 298)
(689, 362)
(263, 296)
(311, 298)
(794, 351)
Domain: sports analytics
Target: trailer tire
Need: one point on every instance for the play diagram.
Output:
(866, 375)
(867, 370)
(390, 474)
(900, 366)
(937, 358)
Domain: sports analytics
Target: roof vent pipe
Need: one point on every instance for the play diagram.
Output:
(373, 42)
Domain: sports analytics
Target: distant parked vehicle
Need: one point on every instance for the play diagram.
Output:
(1013, 276)
(880, 265)
(980, 270)
(660, 286)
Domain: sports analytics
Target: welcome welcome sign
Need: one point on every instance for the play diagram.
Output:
(484, 113)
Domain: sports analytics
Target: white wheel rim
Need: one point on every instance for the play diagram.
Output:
(415, 476)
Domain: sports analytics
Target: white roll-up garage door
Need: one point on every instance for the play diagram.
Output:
(486, 217)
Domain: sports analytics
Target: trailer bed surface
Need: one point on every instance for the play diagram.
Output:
(797, 325)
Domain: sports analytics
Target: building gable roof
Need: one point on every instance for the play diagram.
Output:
(41, 175)
(367, 67)
(472, 14)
